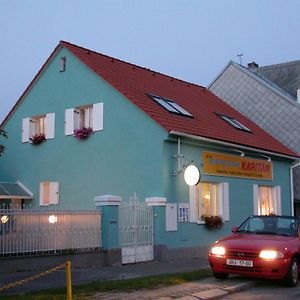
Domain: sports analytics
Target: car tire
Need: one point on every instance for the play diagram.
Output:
(220, 275)
(292, 275)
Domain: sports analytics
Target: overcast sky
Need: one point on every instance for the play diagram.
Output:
(189, 39)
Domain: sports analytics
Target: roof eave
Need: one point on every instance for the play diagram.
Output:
(230, 144)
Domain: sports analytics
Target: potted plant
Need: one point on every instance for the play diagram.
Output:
(212, 222)
(83, 133)
(38, 138)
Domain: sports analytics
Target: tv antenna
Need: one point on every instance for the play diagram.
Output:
(240, 57)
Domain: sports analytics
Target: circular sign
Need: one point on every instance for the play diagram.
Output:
(191, 175)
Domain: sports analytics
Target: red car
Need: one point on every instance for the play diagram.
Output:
(263, 246)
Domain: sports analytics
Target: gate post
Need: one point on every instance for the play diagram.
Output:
(109, 205)
(158, 204)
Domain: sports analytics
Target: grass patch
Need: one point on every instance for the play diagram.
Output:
(126, 285)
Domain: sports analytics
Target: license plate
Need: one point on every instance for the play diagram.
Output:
(240, 263)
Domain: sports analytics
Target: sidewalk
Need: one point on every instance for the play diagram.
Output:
(208, 288)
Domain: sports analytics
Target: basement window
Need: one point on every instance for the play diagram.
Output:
(170, 105)
(234, 123)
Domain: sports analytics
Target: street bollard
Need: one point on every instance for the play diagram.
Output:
(69, 280)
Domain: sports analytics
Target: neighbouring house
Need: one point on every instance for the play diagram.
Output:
(91, 130)
(270, 97)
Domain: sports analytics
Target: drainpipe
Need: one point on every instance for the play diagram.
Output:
(292, 184)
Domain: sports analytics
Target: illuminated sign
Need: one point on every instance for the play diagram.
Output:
(235, 166)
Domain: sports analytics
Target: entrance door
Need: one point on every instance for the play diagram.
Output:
(136, 231)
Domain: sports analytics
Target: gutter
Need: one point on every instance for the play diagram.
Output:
(214, 141)
(292, 185)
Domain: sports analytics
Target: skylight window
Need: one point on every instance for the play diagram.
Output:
(171, 106)
(235, 123)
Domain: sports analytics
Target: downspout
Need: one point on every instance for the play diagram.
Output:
(292, 184)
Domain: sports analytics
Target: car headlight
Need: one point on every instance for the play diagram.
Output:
(217, 250)
(270, 254)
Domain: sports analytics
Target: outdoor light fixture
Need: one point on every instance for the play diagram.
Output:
(52, 219)
(192, 175)
(242, 154)
(4, 219)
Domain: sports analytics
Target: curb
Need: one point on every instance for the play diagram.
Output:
(219, 292)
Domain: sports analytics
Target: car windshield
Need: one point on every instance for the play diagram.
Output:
(271, 225)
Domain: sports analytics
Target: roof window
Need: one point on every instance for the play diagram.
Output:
(170, 106)
(235, 123)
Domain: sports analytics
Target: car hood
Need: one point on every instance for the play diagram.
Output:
(255, 241)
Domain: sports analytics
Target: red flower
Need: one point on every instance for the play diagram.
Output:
(38, 138)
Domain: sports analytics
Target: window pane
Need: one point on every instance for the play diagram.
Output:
(266, 200)
(208, 199)
(46, 191)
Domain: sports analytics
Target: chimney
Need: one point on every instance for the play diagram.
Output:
(298, 95)
(253, 65)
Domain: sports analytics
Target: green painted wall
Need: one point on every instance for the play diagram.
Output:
(126, 157)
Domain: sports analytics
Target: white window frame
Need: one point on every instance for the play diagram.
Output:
(49, 193)
(222, 202)
(275, 197)
(93, 118)
(29, 127)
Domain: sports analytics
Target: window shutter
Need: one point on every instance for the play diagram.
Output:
(50, 126)
(225, 201)
(278, 200)
(54, 193)
(69, 121)
(97, 116)
(255, 199)
(41, 193)
(25, 130)
(193, 204)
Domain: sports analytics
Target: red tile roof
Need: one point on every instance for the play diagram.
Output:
(135, 83)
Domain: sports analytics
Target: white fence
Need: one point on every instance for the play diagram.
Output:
(29, 231)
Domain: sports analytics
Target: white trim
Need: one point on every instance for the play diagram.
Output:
(97, 116)
(107, 200)
(28, 191)
(50, 126)
(255, 199)
(69, 121)
(25, 130)
(211, 140)
(156, 201)
(193, 203)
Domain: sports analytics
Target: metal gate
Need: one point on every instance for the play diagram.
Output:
(136, 231)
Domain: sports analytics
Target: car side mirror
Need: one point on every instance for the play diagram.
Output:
(234, 229)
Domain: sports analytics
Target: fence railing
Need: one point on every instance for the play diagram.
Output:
(28, 231)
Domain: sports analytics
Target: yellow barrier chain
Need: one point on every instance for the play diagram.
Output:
(23, 281)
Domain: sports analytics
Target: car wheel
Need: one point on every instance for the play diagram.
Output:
(293, 275)
(220, 275)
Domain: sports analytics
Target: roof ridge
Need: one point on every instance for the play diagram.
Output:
(279, 65)
(132, 64)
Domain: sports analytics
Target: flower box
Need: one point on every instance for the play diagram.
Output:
(38, 138)
(83, 133)
(212, 222)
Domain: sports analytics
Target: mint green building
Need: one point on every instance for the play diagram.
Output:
(91, 131)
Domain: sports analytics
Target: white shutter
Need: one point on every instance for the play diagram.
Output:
(171, 217)
(69, 121)
(50, 126)
(41, 193)
(97, 116)
(255, 199)
(193, 204)
(25, 130)
(278, 200)
(53, 193)
(225, 201)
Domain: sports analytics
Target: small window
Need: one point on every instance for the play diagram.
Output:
(63, 64)
(39, 124)
(235, 123)
(49, 193)
(170, 106)
(208, 198)
(83, 117)
(267, 200)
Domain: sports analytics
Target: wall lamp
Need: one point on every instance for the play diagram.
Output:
(242, 154)
(267, 157)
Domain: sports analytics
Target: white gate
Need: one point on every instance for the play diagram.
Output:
(136, 231)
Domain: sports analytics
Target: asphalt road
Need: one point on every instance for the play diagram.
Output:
(266, 290)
